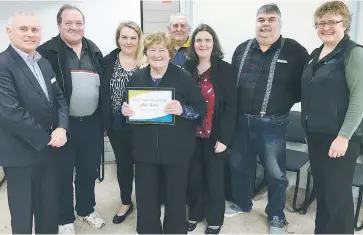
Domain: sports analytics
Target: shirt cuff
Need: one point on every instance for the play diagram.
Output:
(189, 113)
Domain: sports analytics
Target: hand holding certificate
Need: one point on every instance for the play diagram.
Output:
(151, 106)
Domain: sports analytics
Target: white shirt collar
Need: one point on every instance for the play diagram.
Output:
(26, 57)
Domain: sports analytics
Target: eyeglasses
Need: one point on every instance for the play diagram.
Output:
(182, 26)
(330, 23)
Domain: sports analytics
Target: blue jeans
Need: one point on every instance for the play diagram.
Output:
(265, 137)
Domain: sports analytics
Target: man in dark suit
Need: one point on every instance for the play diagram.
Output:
(33, 124)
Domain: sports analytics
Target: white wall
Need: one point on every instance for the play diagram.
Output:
(102, 18)
(360, 24)
(234, 21)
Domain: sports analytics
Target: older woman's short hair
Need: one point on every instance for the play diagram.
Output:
(160, 38)
(336, 8)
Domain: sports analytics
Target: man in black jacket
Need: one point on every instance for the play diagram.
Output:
(269, 82)
(76, 62)
(33, 124)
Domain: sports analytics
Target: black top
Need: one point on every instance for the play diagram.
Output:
(115, 80)
(84, 62)
(285, 91)
(55, 51)
(225, 109)
(168, 144)
(325, 92)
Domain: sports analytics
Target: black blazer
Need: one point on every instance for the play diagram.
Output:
(224, 79)
(27, 118)
(168, 144)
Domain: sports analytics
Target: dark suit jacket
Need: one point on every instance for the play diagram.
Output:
(224, 79)
(27, 118)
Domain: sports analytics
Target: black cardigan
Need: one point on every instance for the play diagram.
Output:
(108, 64)
(168, 144)
(225, 109)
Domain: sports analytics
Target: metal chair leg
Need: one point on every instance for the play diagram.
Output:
(296, 193)
(308, 198)
(101, 168)
(357, 210)
(253, 183)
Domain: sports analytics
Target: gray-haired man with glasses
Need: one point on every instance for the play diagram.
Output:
(179, 29)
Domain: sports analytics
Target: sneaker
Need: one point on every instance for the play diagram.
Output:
(232, 210)
(94, 220)
(66, 229)
(277, 226)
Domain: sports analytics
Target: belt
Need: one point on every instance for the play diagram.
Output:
(78, 118)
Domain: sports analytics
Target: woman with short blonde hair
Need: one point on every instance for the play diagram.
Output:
(332, 111)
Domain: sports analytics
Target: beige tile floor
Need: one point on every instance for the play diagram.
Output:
(107, 196)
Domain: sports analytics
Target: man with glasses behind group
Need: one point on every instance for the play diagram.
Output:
(76, 62)
(179, 29)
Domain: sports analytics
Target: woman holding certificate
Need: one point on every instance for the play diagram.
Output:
(119, 66)
(163, 105)
(217, 82)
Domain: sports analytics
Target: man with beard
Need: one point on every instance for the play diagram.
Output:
(179, 29)
(269, 77)
(77, 64)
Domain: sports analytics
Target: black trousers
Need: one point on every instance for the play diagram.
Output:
(33, 191)
(147, 182)
(82, 152)
(122, 148)
(206, 184)
(333, 179)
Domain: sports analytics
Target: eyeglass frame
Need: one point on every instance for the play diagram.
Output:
(333, 22)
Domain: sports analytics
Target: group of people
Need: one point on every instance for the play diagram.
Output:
(59, 99)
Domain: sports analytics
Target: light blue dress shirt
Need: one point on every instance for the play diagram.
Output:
(32, 62)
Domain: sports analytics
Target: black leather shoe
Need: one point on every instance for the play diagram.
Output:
(212, 230)
(119, 219)
(191, 226)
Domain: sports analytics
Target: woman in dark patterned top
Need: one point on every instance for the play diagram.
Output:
(217, 82)
(119, 66)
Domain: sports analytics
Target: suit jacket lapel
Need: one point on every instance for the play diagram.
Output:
(48, 84)
(29, 74)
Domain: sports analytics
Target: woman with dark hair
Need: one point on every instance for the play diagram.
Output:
(217, 81)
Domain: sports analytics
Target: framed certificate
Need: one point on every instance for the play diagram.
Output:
(148, 104)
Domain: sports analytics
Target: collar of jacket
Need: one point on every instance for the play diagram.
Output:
(56, 44)
(339, 47)
(194, 63)
(112, 55)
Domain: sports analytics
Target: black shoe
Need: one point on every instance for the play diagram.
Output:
(119, 219)
(212, 230)
(191, 226)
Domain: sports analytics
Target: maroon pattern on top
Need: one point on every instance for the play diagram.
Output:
(205, 84)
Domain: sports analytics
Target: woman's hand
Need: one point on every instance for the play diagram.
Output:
(126, 110)
(219, 147)
(338, 147)
(174, 107)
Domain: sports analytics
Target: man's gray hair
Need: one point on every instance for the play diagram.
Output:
(271, 8)
(177, 15)
(67, 7)
(19, 13)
